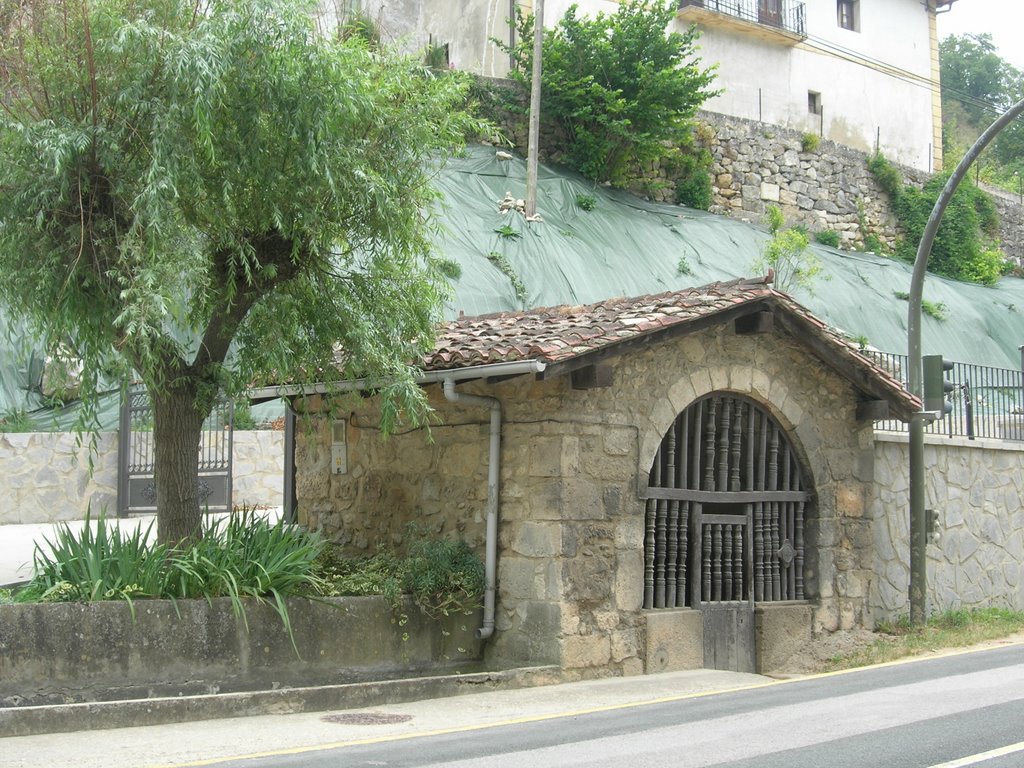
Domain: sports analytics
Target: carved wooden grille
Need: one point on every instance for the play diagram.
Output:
(725, 509)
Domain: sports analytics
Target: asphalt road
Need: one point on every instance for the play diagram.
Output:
(944, 712)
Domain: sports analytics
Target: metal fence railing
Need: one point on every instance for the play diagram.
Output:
(987, 401)
(789, 15)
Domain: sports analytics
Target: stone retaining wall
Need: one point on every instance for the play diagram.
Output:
(977, 486)
(45, 477)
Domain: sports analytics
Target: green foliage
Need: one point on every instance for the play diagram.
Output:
(586, 202)
(97, 562)
(615, 87)
(935, 309)
(829, 237)
(787, 254)
(809, 142)
(381, 574)
(242, 556)
(508, 231)
(683, 268)
(502, 263)
(691, 168)
(773, 219)
(450, 268)
(441, 575)
(887, 176)
(977, 85)
(965, 245)
(16, 420)
(176, 184)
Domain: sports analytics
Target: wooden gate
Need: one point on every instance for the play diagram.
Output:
(724, 523)
(136, 488)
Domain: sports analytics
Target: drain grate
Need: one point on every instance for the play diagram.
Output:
(366, 718)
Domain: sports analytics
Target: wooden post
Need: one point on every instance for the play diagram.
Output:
(534, 134)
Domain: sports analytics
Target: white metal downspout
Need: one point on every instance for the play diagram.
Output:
(493, 476)
(493, 473)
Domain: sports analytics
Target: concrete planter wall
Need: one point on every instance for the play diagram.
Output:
(69, 652)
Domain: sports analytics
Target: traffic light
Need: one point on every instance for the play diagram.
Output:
(936, 388)
(931, 525)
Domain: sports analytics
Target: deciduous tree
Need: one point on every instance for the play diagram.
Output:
(206, 192)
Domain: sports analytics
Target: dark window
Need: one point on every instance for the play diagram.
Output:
(847, 14)
(814, 102)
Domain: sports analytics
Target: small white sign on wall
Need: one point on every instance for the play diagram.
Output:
(339, 447)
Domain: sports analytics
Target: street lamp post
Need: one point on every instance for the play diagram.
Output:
(918, 536)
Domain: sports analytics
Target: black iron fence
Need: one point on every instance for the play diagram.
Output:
(789, 15)
(986, 401)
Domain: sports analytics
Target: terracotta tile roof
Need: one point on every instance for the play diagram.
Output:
(559, 334)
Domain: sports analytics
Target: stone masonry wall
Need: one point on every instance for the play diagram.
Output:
(570, 572)
(977, 486)
(45, 478)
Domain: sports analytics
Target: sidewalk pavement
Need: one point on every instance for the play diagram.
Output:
(209, 742)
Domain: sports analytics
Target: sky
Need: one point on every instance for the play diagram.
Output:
(1003, 19)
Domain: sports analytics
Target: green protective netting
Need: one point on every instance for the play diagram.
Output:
(626, 247)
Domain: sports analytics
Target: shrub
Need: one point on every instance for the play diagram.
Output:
(809, 142)
(586, 202)
(829, 237)
(786, 253)
(616, 87)
(442, 576)
(964, 247)
(693, 178)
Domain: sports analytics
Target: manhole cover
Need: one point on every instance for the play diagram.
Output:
(366, 718)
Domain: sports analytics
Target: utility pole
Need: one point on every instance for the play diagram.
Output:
(918, 535)
(534, 133)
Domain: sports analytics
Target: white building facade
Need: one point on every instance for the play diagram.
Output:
(863, 73)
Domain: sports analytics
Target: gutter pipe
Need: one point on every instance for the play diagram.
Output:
(447, 380)
(486, 630)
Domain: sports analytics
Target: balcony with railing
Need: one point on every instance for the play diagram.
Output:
(783, 21)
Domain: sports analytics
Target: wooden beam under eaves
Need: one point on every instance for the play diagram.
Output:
(592, 377)
(762, 321)
(873, 410)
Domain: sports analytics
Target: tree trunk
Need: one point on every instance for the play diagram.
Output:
(177, 428)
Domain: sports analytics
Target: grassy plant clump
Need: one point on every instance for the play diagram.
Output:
(443, 576)
(586, 202)
(809, 142)
(502, 263)
(952, 629)
(507, 231)
(935, 309)
(829, 237)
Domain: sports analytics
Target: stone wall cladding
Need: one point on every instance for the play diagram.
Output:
(48, 480)
(756, 165)
(570, 574)
(977, 488)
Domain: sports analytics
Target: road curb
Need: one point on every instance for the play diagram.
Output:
(62, 718)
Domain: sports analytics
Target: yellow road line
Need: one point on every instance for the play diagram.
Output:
(982, 756)
(574, 713)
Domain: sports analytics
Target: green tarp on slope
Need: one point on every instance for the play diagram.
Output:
(628, 247)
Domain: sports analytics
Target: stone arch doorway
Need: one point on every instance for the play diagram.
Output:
(726, 507)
